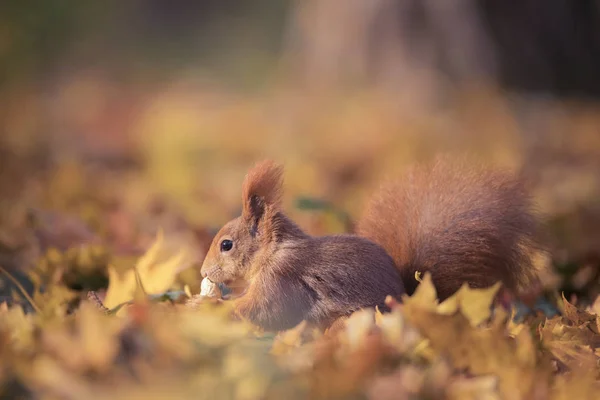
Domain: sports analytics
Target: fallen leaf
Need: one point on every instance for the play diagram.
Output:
(156, 272)
(475, 304)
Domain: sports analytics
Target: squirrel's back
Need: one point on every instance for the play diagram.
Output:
(459, 222)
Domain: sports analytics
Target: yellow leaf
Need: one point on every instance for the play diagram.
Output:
(157, 274)
(475, 304)
(481, 350)
(97, 336)
(187, 291)
(581, 384)
(358, 326)
(288, 339)
(20, 326)
(425, 295)
(400, 335)
(120, 287)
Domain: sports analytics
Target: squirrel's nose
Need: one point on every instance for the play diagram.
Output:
(203, 269)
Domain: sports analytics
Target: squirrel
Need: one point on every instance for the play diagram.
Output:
(457, 222)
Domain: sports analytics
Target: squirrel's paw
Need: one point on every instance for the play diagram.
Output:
(209, 291)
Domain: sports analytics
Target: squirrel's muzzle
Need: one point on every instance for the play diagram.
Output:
(214, 273)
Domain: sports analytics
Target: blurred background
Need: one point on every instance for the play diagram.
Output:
(119, 117)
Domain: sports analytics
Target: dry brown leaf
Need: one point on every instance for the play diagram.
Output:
(571, 345)
(481, 351)
(574, 314)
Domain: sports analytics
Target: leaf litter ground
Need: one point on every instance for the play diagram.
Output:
(148, 341)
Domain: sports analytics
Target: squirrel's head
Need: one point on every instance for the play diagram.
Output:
(236, 246)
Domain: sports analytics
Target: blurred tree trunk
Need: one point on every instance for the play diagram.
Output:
(537, 46)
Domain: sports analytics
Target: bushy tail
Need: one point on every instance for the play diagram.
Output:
(459, 222)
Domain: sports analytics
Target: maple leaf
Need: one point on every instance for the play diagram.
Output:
(20, 327)
(475, 304)
(153, 272)
(480, 350)
(575, 315)
(425, 295)
(573, 346)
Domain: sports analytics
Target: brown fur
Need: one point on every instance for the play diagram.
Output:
(463, 225)
(261, 197)
(460, 222)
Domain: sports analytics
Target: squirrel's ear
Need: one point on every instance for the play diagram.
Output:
(261, 193)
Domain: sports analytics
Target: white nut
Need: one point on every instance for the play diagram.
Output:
(209, 288)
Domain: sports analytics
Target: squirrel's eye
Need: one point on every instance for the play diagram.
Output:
(226, 245)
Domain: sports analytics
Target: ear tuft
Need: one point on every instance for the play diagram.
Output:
(262, 189)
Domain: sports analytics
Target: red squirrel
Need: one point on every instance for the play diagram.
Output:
(455, 221)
